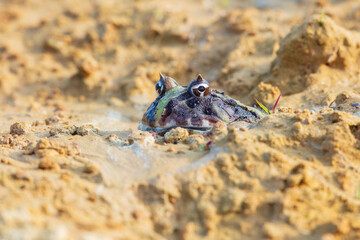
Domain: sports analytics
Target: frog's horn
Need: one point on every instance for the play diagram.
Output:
(199, 77)
(168, 82)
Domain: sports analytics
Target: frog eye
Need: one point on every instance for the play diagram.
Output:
(199, 87)
(200, 90)
(165, 84)
(159, 88)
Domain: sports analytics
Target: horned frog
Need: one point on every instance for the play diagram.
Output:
(195, 107)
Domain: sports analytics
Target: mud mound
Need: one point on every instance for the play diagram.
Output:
(317, 45)
(316, 54)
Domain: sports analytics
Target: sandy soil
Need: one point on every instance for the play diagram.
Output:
(76, 77)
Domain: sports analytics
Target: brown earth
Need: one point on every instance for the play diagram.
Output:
(76, 77)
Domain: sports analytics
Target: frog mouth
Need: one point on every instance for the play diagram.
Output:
(203, 129)
(161, 131)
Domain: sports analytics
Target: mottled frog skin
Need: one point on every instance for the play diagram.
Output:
(195, 107)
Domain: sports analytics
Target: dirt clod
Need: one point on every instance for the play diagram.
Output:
(20, 128)
(176, 135)
(48, 164)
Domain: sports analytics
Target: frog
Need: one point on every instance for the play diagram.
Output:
(194, 107)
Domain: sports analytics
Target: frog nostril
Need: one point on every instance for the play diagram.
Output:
(192, 103)
(208, 111)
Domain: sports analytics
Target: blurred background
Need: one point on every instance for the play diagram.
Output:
(97, 49)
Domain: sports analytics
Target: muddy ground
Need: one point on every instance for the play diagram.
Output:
(77, 76)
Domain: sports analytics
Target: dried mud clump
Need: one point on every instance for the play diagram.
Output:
(66, 130)
(14, 141)
(52, 148)
(20, 128)
(52, 120)
(87, 66)
(48, 164)
(267, 93)
(83, 130)
(145, 138)
(195, 138)
(316, 46)
(176, 134)
(86, 130)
